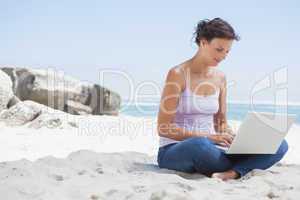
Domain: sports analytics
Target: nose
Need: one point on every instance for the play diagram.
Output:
(223, 57)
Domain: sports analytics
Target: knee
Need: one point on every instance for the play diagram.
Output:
(283, 148)
(206, 159)
(198, 141)
(200, 148)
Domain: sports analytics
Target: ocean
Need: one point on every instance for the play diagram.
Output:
(235, 111)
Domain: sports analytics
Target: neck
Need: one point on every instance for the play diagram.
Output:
(197, 64)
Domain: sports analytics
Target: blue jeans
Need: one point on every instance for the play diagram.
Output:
(199, 154)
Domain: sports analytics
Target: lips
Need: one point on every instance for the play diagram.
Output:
(217, 60)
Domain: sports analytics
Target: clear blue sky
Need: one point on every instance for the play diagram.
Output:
(145, 39)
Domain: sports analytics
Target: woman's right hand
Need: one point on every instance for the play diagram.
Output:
(222, 139)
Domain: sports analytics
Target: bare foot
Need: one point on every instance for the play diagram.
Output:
(224, 176)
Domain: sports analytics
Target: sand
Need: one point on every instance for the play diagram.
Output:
(109, 157)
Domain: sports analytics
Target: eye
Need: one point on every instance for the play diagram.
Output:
(219, 49)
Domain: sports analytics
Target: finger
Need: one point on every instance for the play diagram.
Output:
(230, 136)
(224, 142)
(228, 143)
(228, 139)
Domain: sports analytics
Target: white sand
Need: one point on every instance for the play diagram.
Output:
(110, 157)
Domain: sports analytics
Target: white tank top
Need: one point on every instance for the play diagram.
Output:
(195, 113)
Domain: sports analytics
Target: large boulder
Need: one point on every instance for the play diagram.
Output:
(20, 114)
(6, 91)
(62, 92)
(34, 115)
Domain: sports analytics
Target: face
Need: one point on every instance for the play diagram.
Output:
(215, 51)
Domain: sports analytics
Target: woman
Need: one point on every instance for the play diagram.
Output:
(192, 122)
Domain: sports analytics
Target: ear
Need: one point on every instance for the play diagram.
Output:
(203, 42)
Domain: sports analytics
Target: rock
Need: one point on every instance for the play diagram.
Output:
(62, 92)
(6, 91)
(77, 108)
(53, 121)
(50, 118)
(47, 120)
(104, 101)
(34, 115)
(20, 114)
(13, 101)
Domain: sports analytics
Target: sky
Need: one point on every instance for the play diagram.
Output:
(129, 46)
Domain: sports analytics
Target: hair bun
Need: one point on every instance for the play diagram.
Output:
(215, 28)
(201, 25)
(200, 29)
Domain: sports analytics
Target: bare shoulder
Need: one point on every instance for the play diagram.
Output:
(176, 70)
(176, 76)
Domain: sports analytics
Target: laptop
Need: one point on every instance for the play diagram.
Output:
(260, 133)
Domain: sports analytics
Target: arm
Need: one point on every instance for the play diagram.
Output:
(220, 118)
(167, 109)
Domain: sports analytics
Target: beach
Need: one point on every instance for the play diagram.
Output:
(83, 85)
(114, 157)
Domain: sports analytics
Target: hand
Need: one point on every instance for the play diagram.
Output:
(222, 139)
(230, 130)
